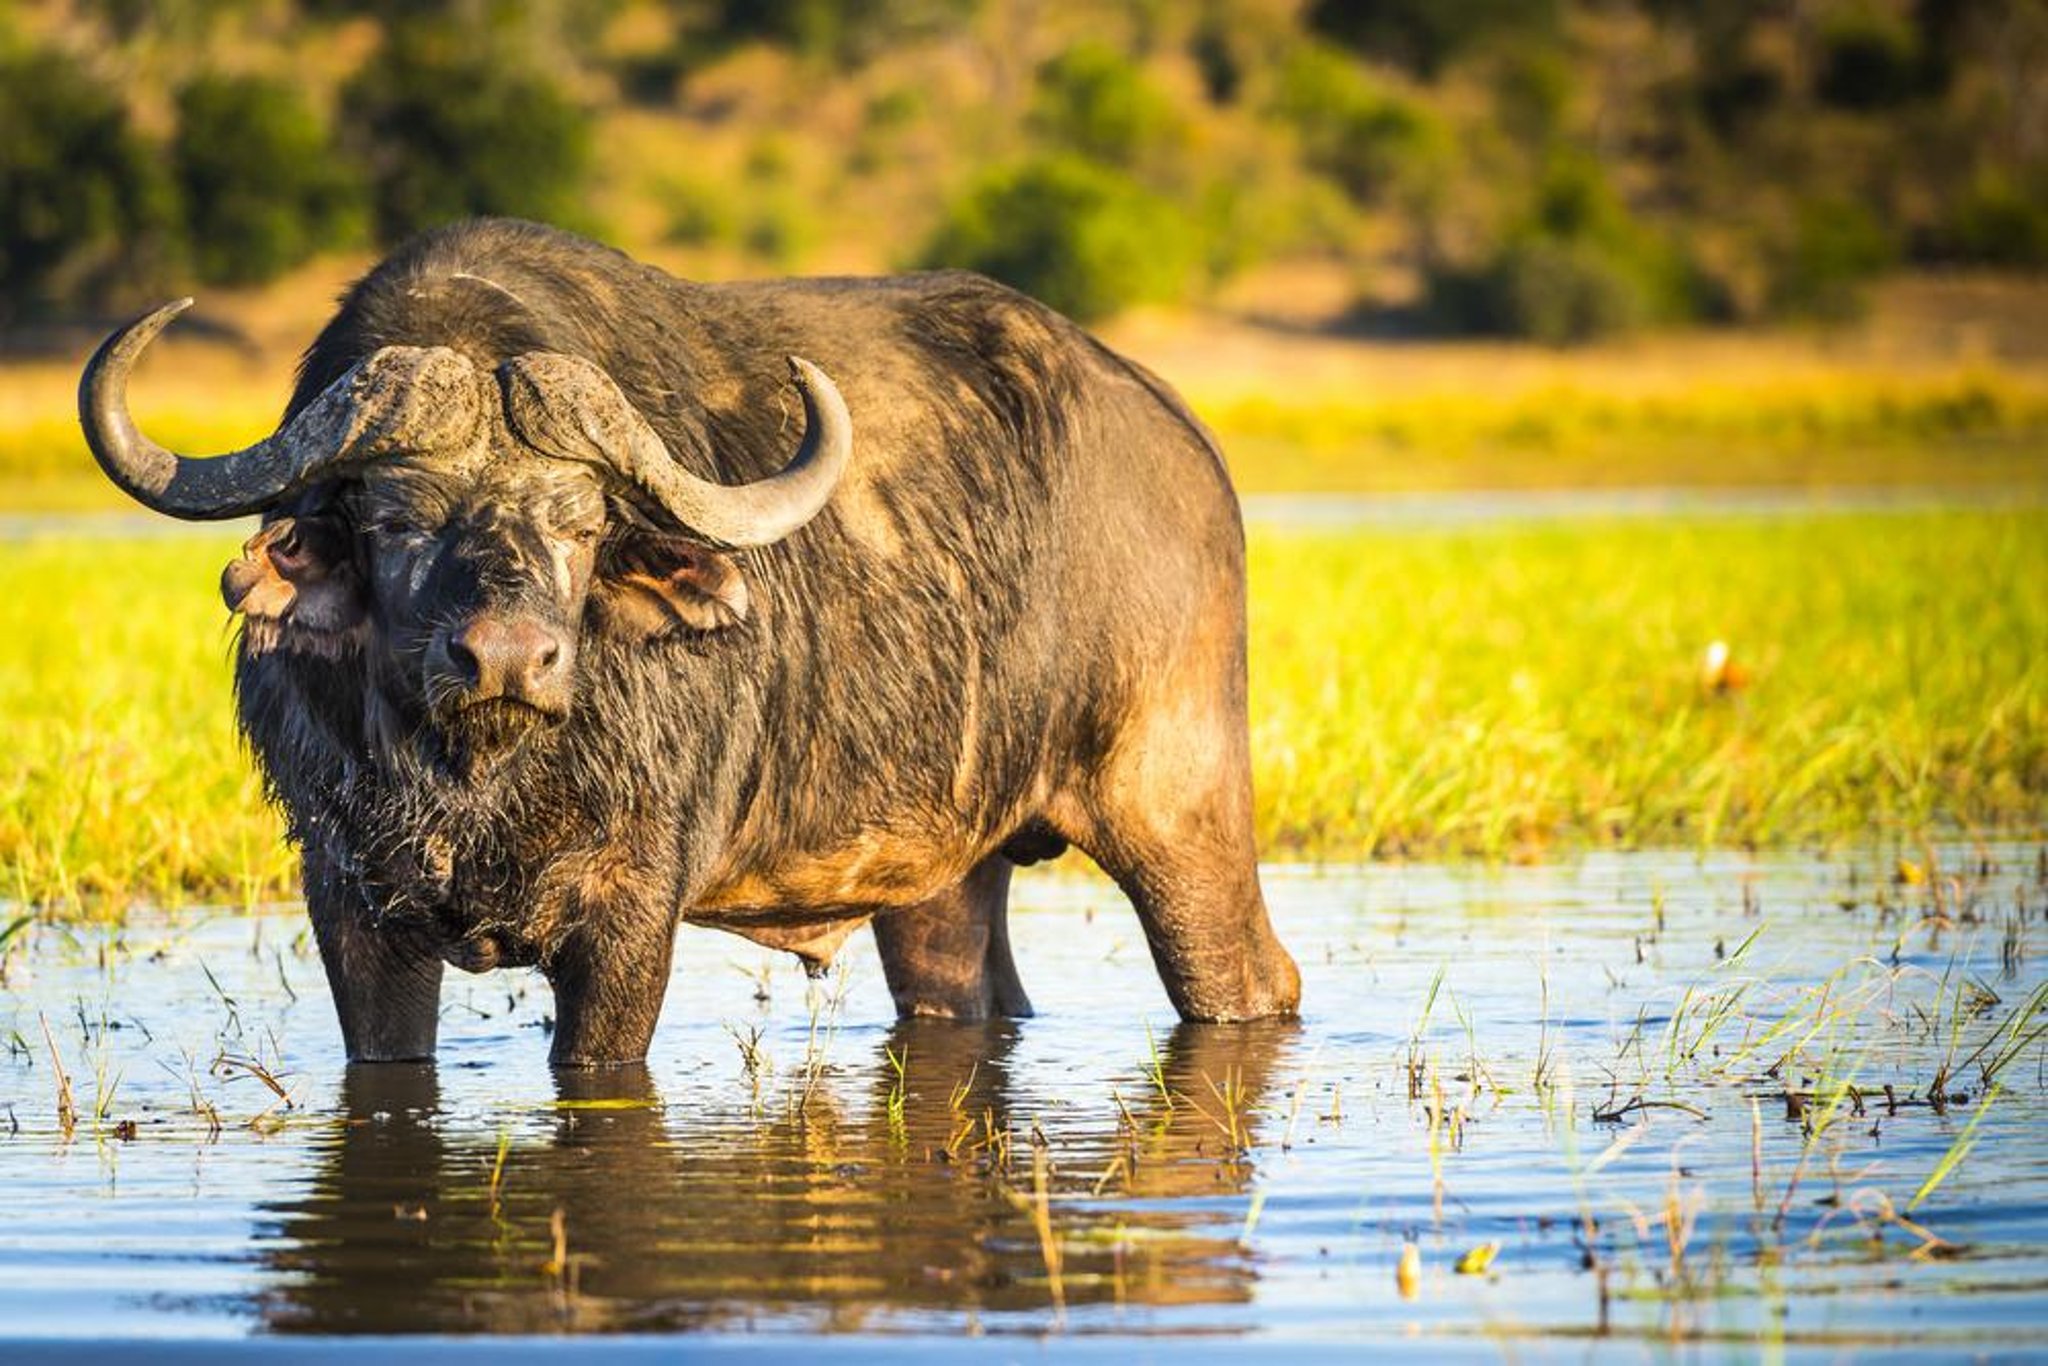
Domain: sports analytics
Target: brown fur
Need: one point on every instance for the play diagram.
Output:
(1018, 624)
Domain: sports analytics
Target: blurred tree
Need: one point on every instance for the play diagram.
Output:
(1995, 223)
(86, 213)
(1576, 265)
(448, 126)
(844, 32)
(1380, 145)
(1834, 248)
(264, 185)
(1091, 100)
(1532, 90)
(1551, 167)
(1073, 234)
(1870, 59)
(1426, 35)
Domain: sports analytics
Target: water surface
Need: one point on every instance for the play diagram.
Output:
(1689, 1101)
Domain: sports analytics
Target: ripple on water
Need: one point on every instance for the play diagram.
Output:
(1257, 1180)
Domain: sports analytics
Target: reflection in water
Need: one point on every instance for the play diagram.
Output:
(1710, 988)
(882, 1199)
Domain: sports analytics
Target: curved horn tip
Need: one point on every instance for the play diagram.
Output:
(159, 317)
(142, 329)
(805, 374)
(196, 488)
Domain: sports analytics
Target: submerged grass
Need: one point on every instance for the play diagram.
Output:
(1494, 692)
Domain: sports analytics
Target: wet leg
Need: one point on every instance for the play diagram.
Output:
(386, 982)
(609, 979)
(1171, 820)
(950, 956)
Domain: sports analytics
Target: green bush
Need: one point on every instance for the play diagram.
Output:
(1819, 270)
(696, 212)
(845, 32)
(1376, 143)
(1532, 91)
(1080, 238)
(1547, 289)
(449, 128)
(1575, 267)
(264, 187)
(1869, 60)
(1091, 100)
(780, 226)
(1427, 35)
(87, 215)
(1996, 224)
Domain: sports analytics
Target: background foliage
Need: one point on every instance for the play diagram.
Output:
(1560, 169)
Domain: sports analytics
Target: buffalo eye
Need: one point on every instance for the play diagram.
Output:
(405, 535)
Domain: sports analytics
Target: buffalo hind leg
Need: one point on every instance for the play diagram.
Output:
(950, 956)
(1170, 820)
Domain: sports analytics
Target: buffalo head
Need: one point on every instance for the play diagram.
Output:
(465, 528)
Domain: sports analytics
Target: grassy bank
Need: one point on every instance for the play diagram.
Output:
(1502, 692)
(1930, 393)
(1976, 429)
(1984, 428)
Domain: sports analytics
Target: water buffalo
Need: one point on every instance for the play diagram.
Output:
(549, 643)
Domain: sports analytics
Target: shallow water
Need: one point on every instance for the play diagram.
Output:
(1098, 1173)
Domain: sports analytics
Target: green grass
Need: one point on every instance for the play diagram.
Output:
(1495, 692)
(1498, 692)
(123, 777)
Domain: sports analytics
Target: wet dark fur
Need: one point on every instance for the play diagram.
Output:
(841, 704)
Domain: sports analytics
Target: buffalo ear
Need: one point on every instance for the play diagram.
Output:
(295, 580)
(653, 589)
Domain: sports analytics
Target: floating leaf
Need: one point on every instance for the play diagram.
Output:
(606, 1103)
(1408, 1275)
(1479, 1260)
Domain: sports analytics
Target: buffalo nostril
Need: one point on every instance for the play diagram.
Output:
(464, 660)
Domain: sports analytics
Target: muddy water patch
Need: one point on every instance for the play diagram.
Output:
(1646, 1097)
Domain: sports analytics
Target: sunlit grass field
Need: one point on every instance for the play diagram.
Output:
(1506, 693)
(1974, 428)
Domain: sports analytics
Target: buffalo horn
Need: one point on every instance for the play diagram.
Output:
(567, 407)
(397, 399)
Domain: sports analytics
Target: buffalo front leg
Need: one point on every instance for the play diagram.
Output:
(950, 956)
(609, 976)
(386, 981)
